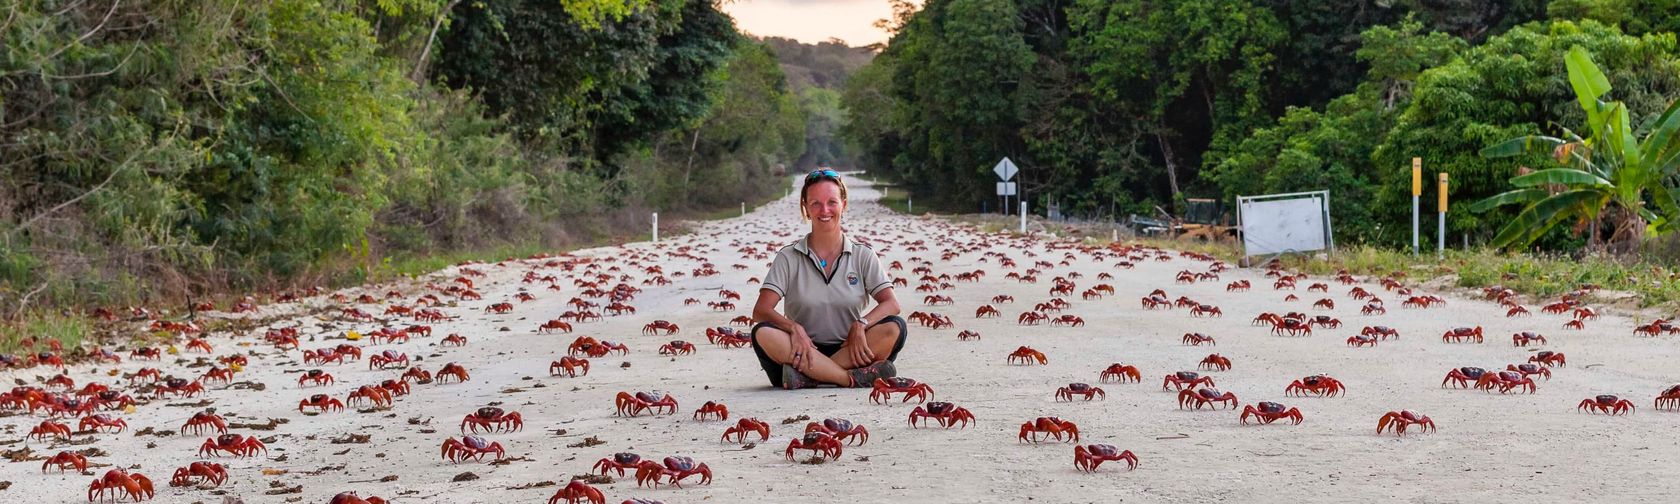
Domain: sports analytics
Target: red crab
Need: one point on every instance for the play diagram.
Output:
(1049, 425)
(1506, 381)
(945, 413)
(1462, 377)
(1382, 332)
(179, 387)
(569, 365)
(396, 388)
(1607, 404)
(745, 426)
(206, 472)
(618, 462)
(1205, 396)
(315, 376)
(66, 459)
(352, 498)
(1120, 373)
(676, 468)
(388, 359)
(554, 325)
(1399, 420)
(1186, 379)
(101, 421)
(1216, 362)
(1196, 339)
(1320, 385)
(499, 308)
(1361, 340)
(492, 419)
(1517, 311)
(632, 405)
(884, 388)
(1669, 399)
(1026, 355)
(986, 311)
(1201, 310)
(452, 370)
(659, 325)
(1524, 338)
(473, 447)
(1462, 334)
(454, 340)
(372, 393)
(1549, 358)
(676, 347)
(1069, 320)
(204, 420)
(47, 427)
(321, 403)
(121, 482)
(1267, 412)
(966, 335)
(576, 492)
(712, 408)
(1373, 309)
(238, 445)
(199, 344)
(1530, 370)
(1088, 457)
(842, 429)
(821, 443)
(1073, 389)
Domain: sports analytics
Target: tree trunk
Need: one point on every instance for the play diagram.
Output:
(1172, 169)
(419, 75)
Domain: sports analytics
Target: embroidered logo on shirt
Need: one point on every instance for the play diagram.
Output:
(851, 278)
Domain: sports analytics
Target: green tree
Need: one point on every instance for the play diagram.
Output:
(1610, 170)
(1636, 17)
(1510, 86)
(1193, 73)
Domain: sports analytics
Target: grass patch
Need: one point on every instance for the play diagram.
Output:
(1633, 282)
(69, 330)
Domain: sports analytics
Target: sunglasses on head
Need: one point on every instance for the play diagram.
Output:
(822, 173)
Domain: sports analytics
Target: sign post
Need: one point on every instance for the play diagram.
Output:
(656, 227)
(1417, 192)
(1441, 225)
(1006, 170)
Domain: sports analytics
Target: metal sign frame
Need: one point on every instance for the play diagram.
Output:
(1323, 198)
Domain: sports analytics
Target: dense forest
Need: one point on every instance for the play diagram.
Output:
(163, 148)
(1118, 106)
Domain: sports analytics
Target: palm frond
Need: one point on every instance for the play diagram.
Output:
(1541, 216)
(1526, 195)
(1566, 176)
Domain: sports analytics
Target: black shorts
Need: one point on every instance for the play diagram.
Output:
(773, 369)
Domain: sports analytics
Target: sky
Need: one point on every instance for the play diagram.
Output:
(812, 21)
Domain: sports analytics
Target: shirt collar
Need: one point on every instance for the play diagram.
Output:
(804, 244)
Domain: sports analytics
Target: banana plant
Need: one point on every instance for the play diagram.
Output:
(1609, 174)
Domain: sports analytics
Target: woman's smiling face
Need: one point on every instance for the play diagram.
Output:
(824, 206)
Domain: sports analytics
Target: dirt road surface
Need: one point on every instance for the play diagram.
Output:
(1490, 447)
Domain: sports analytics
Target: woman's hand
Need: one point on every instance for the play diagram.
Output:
(802, 347)
(858, 344)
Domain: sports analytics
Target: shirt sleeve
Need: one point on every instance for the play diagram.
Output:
(874, 276)
(780, 276)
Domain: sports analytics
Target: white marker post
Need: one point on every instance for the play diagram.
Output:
(909, 205)
(743, 209)
(1023, 217)
(656, 227)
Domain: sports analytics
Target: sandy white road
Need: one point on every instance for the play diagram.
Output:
(1490, 447)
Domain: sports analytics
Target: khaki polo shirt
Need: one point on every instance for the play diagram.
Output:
(826, 305)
